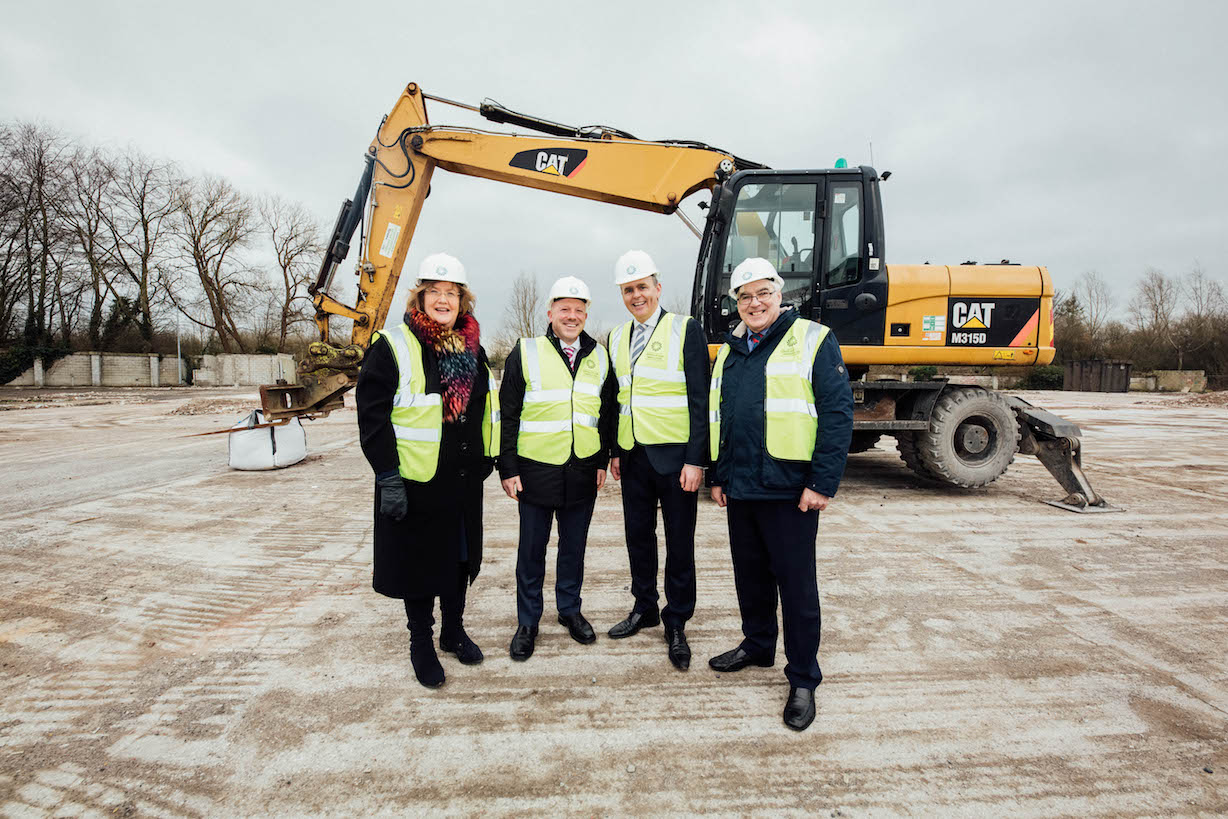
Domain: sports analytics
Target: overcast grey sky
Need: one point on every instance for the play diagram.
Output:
(1081, 136)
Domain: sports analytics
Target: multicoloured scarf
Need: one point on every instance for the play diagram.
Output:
(457, 352)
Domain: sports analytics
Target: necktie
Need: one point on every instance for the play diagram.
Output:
(640, 340)
(753, 340)
(571, 357)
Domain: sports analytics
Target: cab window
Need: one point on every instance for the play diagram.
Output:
(844, 245)
(775, 221)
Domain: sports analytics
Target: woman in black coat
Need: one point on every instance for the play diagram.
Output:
(428, 533)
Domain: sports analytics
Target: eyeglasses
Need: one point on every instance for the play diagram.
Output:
(761, 295)
(450, 295)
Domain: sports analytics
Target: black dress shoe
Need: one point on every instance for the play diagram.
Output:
(679, 651)
(578, 628)
(522, 643)
(738, 659)
(799, 710)
(634, 622)
(465, 649)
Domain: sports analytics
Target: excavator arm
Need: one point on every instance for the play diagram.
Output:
(596, 163)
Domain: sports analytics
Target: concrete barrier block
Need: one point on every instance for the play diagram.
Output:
(70, 371)
(1181, 380)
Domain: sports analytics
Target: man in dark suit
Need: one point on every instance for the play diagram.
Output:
(661, 363)
(557, 402)
(781, 422)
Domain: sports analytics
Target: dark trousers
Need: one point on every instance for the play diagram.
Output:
(773, 547)
(643, 487)
(419, 610)
(535, 522)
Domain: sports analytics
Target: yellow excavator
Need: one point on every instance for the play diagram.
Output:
(822, 229)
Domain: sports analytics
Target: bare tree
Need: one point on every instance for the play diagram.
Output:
(297, 245)
(1154, 306)
(13, 281)
(85, 212)
(1097, 301)
(1207, 301)
(1205, 308)
(144, 200)
(523, 315)
(1156, 310)
(214, 222)
(37, 181)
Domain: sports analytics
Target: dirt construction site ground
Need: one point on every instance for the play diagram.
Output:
(180, 639)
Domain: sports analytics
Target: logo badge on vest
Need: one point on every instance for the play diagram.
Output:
(656, 346)
(565, 162)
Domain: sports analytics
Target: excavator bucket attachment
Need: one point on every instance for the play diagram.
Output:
(1055, 443)
(324, 375)
(313, 400)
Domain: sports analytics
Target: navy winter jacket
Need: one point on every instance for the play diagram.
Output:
(743, 467)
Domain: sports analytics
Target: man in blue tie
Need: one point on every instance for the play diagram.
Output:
(661, 364)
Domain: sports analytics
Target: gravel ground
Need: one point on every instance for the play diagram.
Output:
(179, 639)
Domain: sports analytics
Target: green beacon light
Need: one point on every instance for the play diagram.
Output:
(842, 163)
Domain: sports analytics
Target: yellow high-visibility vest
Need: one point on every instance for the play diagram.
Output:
(560, 414)
(652, 404)
(791, 421)
(417, 415)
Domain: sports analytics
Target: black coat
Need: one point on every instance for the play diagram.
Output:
(550, 485)
(668, 459)
(418, 556)
(743, 466)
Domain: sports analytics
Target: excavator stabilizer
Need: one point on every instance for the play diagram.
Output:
(1055, 443)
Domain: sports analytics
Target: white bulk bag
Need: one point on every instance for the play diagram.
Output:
(268, 447)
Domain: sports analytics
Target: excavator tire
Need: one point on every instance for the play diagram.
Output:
(864, 441)
(906, 444)
(972, 437)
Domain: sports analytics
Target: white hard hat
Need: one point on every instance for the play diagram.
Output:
(632, 265)
(569, 287)
(752, 270)
(442, 267)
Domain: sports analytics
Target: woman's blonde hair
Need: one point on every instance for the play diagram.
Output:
(467, 301)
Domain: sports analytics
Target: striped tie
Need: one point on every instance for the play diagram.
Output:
(637, 343)
(753, 341)
(571, 357)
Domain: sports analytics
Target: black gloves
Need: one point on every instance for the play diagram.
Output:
(392, 500)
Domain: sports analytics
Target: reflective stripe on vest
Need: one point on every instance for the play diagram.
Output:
(791, 420)
(492, 419)
(560, 413)
(417, 415)
(652, 402)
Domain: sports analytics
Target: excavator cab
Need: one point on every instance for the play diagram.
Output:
(821, 229)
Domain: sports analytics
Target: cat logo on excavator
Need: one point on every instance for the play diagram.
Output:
(557, 162)
(976, 315)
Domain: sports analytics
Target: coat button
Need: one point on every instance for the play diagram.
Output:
(461, 473)
(462, 418)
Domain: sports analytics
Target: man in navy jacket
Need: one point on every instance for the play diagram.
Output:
(774, 502)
